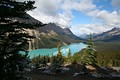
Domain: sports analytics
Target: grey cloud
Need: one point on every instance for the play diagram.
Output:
(115, 3)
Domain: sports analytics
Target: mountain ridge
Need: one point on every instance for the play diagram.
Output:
(111, 35)
(54, 34)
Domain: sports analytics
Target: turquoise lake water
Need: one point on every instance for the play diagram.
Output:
(75, 47)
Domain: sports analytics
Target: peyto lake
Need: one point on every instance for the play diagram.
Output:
(75, 47)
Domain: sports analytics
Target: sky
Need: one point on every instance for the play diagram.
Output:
(81, 16)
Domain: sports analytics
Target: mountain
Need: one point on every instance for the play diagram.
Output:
(28, 19)
(58, 30)
(50, 35)
(68, 32)
(111, 35)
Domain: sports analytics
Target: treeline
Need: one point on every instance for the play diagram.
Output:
(103, 59)
(87, 56)
(41, 61)
(108, 59)
(108, 53)
(55, 60)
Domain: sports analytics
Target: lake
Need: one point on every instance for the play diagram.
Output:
(75, 47)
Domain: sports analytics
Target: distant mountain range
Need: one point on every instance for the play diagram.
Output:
(111, 35)
(108, 36)
(52, 34)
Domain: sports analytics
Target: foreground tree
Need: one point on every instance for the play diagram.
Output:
(13, 38)
(69, 56)
(60, 59)
(57, 60)
(36, 61)
(89, 56)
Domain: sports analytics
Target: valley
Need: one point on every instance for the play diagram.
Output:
(45, 44)
(60, 40)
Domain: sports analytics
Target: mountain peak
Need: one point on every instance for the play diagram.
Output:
(115, 28)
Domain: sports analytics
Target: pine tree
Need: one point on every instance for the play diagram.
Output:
(13, 38)
(53, 60)
(69, 56)
(57, 60)
(44, 61)
(60, 59)
(36, 61)
(47, 58)
(89, 57)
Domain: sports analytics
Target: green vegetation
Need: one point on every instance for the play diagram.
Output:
(109, 59)
(52, 40)
(89, 56)
(46, 39)
(95, 54)
(40, 61)
(69, 56)
(108, 53)
(57, 61)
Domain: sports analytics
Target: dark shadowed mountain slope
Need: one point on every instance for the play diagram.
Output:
(28, 19)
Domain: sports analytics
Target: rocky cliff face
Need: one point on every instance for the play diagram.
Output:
(31, 42)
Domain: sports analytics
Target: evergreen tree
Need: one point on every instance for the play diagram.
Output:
(53, 60)
(59, 49)
(44, 61)
(13, 38)
(69, 56)
(57, 60)
(36, 61)
(89, 57)
(47, 58)
(76, 58)
(60, 59)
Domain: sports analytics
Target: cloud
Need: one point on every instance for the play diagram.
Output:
(49, 11)
(60, 11)
(79, 5)
(86, 5)
(105, 17)
(86, 29)
(65, 19)
(115, 3)
(48, 7)
(111, 19)
(107, 20)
